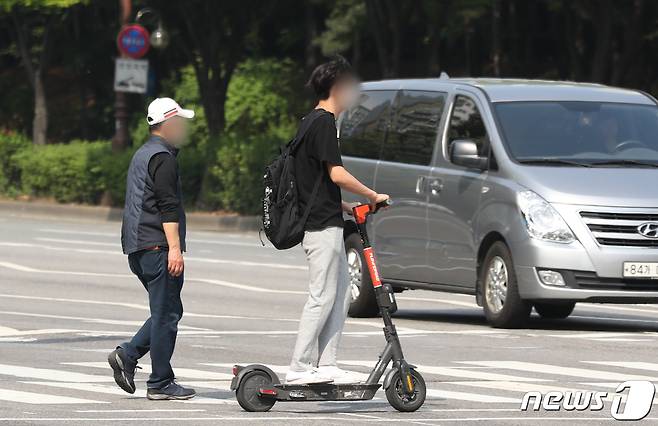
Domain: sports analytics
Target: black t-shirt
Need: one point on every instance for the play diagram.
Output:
(318, 148)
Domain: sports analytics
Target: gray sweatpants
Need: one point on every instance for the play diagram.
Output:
(328, 300)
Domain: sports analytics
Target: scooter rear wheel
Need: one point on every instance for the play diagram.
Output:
(399, 399)
(248, 395)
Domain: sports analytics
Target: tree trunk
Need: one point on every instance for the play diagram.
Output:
(40, 121)
(600, 62)
(495, 37)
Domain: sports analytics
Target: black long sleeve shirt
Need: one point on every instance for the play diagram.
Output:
(163, 170)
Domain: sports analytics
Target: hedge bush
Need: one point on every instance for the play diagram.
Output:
(68, 172)
(10, 174)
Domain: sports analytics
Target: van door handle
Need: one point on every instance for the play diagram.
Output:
(436, 185)
(420, 184)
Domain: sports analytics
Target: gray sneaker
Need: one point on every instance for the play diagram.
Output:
(172, 391)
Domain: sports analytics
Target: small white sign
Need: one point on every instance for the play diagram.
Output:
(131, 75)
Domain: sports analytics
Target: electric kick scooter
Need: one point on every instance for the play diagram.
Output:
(257, 388)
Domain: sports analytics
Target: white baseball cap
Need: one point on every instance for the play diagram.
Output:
(163, 108)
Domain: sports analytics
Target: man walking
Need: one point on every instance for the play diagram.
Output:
(318, 156)
(153, 237)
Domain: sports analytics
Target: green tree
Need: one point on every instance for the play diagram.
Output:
(33, 22)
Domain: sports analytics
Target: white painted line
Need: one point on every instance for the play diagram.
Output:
(75, 232)
(83, 242)
(51, 374)
(187, 258)
(15, 333)
(634, 365)
(473, 397)
(154, 410)
(90, 320)
(597, 335)
(440, 301)
(516, 386)
(22, 268)
(90, 387)
(41, 398)
(534, 367)
(180, 372)
(114, 390)
(304, 418)
(457, 372)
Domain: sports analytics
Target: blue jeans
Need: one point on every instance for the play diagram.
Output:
(158, 334)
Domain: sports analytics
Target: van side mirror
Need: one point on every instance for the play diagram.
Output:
(464, 153)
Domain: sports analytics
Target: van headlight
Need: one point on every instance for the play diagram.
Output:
(542, 220)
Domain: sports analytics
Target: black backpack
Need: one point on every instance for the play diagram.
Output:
(283, 222)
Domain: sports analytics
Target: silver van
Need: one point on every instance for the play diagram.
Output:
(523, 193)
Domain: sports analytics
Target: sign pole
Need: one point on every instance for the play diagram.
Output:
(120, 139)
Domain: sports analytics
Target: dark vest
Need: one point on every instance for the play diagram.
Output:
(142, 227)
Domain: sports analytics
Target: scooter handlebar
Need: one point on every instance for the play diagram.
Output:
(382, 205)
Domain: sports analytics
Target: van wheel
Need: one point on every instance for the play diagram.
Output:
(554, 310)
(363, 303)
(502, 304)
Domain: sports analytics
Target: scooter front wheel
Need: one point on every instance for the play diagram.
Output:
(399, 399)
(248, 392)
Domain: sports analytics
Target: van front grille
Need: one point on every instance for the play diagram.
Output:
(619, 229)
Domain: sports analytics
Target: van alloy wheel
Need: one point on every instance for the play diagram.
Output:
(354, 267)
(496, 285)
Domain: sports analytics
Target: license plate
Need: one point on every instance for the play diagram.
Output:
(641, 270)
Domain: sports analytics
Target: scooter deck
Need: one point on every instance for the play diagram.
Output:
(322, 392)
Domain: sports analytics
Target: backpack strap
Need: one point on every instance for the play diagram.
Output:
(311, 200)
(305, 126)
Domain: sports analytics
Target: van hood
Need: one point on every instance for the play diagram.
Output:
(601, 186)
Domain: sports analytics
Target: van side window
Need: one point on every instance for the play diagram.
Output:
(415, 127)
(363, 128)
(466, 123)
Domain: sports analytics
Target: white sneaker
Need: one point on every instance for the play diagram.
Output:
(341, 376)
(306, 377)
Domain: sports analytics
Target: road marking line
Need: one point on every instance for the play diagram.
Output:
(433, 300)
(154, 410)
(473, 397)
(187, 258)
(5, 332)
(22, 268)
(88, 320)
(74, 232)
(597, 335)
(458, 372)
(51, 374)
(559, 370)
(114, 390)
(634, 365)
(84, 242)
(189, 373)
(41, 398)
(515, 386)
(303, 417)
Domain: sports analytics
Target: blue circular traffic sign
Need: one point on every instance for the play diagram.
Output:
(133, 41)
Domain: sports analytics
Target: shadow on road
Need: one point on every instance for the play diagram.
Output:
(577, 322)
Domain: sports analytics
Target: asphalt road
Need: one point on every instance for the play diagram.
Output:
(67, 298)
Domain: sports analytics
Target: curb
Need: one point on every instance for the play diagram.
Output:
(77, 212)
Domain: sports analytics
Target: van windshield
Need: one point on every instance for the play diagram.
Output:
(591, 134)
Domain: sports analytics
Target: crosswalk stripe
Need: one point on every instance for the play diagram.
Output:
(458, 372)
(516, 386)
(634, 365)
(51, 374)
(139, 393)
(559, 370)
(473, 397)
(41, 398)
(189, 373)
